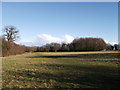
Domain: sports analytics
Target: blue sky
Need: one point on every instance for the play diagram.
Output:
(62, 20)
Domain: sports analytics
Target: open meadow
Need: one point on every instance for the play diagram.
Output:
(61, 70)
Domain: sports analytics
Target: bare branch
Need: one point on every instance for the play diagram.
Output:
(10, 33)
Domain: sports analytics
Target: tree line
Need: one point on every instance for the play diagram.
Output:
(7, 44)
(8, 47)
(11, 48)
(78, 44)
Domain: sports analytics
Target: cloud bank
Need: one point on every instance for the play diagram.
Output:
(112, 43)
(43, 39)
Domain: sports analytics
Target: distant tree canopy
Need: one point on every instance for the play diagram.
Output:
(113, 47)
(8, 47)
(11, 48)
(116, 46)
(78, 44)
(88, 44)
(10, 33)
(109, 47)
(64, 47)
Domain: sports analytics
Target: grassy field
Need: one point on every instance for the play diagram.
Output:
(61, 70)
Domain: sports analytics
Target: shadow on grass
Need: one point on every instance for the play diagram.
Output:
(85, 56)
(83, 76)
(113, 55)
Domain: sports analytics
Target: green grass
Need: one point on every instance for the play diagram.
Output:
(61, 70)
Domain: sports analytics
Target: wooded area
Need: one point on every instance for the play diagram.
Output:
(79, 44)
(9, 47)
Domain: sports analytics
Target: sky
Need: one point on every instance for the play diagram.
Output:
(60, 0)
(45, 22)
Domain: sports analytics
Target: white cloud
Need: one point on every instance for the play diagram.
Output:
(43, 39)
(106, 41)
(112, 43)
(68, 39)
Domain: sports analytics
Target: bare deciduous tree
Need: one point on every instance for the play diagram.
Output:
(10, 33)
